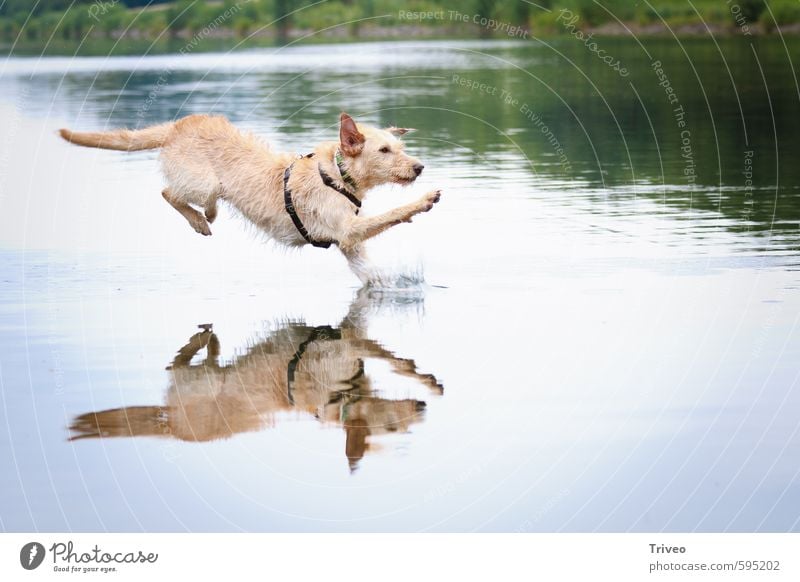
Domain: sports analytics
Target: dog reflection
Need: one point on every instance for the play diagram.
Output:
(316, 370)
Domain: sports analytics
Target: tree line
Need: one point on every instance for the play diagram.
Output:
(149, 19)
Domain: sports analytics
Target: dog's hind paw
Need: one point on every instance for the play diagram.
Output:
(202, 228)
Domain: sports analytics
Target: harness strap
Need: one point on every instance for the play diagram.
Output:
(328, 181)
(292, 211)
(344, 398)
(319, 333)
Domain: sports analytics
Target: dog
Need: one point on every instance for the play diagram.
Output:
(314, 199)
(315, 370)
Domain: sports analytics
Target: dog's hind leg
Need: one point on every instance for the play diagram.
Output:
(212, 351)
(195, 219)
(210, 208)
(197, 342)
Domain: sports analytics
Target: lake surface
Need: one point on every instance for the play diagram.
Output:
(606, 339)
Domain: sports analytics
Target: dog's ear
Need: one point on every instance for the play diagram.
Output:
(351, 140)
(398, 131)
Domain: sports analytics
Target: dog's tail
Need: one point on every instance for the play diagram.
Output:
(121, 139)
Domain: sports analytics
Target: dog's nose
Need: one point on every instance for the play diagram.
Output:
(418, 169)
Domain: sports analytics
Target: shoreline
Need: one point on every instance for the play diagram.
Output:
(400, 33)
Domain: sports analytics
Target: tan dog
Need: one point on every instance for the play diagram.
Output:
(310, 200)
(318, 371)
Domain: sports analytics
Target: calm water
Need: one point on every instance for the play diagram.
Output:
(606, 340)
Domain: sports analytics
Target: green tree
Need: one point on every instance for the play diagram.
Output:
(752, 9)
(485, 9)
(283, 22)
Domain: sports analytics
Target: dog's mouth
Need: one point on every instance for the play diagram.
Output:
(404, 180)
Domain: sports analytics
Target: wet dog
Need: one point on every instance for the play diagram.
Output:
(313, 200)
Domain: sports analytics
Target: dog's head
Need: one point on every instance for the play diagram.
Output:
(376, 156)
(373, 416)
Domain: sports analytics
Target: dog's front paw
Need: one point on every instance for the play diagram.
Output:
(431, 198)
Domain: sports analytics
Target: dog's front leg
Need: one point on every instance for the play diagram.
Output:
(402, 366)
(361, 229)
(358, 262)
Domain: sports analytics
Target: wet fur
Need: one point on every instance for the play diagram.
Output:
(206, 159)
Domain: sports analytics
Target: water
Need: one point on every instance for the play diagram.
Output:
(605, 339)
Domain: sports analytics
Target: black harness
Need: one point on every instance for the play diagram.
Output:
(328, 181)
(318, 333)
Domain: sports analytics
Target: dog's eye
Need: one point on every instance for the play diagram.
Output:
(384, 150)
